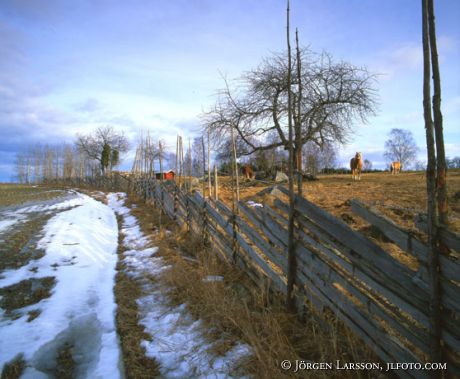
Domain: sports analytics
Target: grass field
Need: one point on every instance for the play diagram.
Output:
(398, 197)
(15, 194)
(18, 243)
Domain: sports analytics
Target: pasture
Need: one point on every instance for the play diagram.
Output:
(14, 194)
(399, 197)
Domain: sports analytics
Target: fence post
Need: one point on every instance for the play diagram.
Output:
(175, 203)
(216, 186)
(205, 224)
(235, 245)
(187, 206)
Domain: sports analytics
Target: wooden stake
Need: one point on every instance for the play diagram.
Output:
(204, 166)
(209, 163)
(441, 166)
(160, 147)
(216, 186)
(432, 227)
(177, 159)
(292, 264)
(189, 165)
(298, 126)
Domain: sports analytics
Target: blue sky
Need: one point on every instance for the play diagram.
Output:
(71, 66)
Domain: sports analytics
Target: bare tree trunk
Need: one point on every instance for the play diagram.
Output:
(298, 126)
(153, 158)
(291, 247)
(182, 168)
(204, 166)
(160, 147)
(235, 167)
(177, 157)
(180, 158)
(438, 127)
(28, 162)
(209, 163)
(435, 333)
(189, 165)
(232, 177)
(37, 153)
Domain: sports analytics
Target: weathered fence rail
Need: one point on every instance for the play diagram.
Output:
(384, 301)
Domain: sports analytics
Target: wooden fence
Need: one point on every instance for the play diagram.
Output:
(383, 300)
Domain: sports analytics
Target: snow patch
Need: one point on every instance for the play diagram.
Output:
(254, 204)
(81, 253)
(177, 342)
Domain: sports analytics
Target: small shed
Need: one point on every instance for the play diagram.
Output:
(167, 175)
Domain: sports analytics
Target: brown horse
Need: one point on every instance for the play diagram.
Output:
(248, 173)
(395, 167)
(356, 166)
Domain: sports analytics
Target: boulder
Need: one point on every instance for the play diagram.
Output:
(281, 177)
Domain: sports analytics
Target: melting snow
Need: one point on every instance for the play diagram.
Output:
(80, 252)
(254, 204)
(9, 217)
(177, 343)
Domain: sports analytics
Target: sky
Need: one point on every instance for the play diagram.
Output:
(68, 67)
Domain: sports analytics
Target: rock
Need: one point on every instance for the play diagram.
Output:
(281, 177)
(276, 192)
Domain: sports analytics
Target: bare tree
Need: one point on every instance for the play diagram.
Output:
(20, 168)
(401, 147)
(68, 169)
(367, 165)
(453, 162)
(420, 165)
(329, 98)
(37, 154)
(224, 148)
(93, 144)
(316, 159)
(198, 154)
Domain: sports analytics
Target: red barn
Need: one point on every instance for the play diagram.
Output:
(168, 175)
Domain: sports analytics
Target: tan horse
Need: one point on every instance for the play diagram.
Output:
(356, 166)
(395, 167)
(248, 173)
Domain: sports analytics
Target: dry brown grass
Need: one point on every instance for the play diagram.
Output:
(127, 290)
(400, 197)
(13, 369)
(17, 247)
(24, 293)
(13, 194)
(65, 368)
(234, 310)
